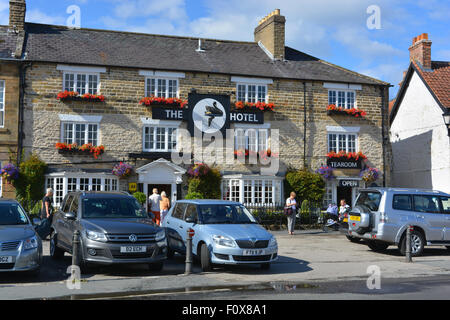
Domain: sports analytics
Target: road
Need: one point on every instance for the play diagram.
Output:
(309, 259)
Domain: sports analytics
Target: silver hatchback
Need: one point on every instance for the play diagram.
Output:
(382, 215)
(20, 246)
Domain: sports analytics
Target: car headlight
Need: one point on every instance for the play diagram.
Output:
(96, 236)
(160, 235)
(31, 243)
(273, 242)
(224, 241)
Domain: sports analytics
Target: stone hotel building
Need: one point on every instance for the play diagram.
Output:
(203, 81)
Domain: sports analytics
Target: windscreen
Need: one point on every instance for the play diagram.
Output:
(226, 214)
(369, 199)
(12, 214)
(97, 208)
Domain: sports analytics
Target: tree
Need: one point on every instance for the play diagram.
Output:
(306, 184)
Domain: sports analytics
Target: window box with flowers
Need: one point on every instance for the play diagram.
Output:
(345, 160)
(163, 102)
(265, 154)
(122, 170)
(85, 149)
(75, 96)
(357, 113)
(253, 107)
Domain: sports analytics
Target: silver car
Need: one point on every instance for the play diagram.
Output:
(225, 233)
(20, 246)
(381, 217)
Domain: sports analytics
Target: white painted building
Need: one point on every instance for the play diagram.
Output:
(419, 133)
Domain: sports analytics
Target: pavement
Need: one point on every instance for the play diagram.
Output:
(306, 259)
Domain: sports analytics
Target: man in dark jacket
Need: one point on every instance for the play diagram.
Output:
(46, 215)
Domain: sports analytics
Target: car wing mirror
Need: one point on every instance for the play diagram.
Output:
(36, 222)
(70, 216)
(191, 220)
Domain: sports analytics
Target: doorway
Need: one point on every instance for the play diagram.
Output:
(167, 188)
(344, 193)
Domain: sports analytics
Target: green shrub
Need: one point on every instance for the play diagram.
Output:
(206, 186)
(306, 184)
(194, 195)
(140, 197)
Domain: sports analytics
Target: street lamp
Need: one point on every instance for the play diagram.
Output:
(447, 121)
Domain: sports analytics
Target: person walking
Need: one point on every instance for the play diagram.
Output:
(154, 201)
(291, 203)
(164, 205)
(46, 215)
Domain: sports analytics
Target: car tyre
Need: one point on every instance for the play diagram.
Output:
(353, 239)
(377, 246)
(170, 253)
(265, 266)
(448, 248)
(157, 266)
(55, 252)
(418, 242)
(205, 258)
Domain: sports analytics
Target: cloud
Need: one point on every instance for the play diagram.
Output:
(36, 15)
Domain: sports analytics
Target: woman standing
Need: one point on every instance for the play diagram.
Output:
(291, 203)
(164, 205)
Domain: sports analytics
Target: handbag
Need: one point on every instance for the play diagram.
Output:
(288, 211)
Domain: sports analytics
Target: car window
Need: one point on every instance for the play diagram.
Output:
(369, 199)
(424, 203)
(214, 214)
(12, 214)
(191, 212)
(74, 205)
(100, 208)
(178, 211)
(445, 204)
(67, 203)
(402, 202)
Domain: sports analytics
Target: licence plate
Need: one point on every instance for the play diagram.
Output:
(355, 218)
(6, 259)
(133, 249)
(253, 252)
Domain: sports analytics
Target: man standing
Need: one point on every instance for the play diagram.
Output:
(154, 201)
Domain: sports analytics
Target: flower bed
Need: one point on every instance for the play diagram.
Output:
(74, 96)
(249, 106)
(122, 170)
(169, 102)
(85, 149)
(10, 172)
(358, 113)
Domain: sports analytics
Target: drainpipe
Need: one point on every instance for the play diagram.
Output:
(383, 137)
(304, 125)
(22, 71)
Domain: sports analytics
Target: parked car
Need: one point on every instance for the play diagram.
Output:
(20, 246)
(381, 217)
(114, 229)
(225, 233)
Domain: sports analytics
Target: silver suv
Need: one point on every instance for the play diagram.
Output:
(381, 216)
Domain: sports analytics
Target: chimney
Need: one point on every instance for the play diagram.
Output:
(17, 10)
(270, 31)
(420, 51)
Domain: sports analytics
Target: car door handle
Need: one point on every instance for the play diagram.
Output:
(181, 227)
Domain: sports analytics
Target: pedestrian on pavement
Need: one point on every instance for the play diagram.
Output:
(154, 200)
(46, 215)
(164, 205)
(292, 204)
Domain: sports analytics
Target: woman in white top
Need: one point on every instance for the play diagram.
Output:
(291, 202)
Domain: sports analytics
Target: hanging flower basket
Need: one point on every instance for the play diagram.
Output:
(74, 96)
(10, 172)
(85, 149)
(326, 172)
(370, 174)
(122, 170)
(357, 113)
(249, 106)
(198, 170)
(168, 102)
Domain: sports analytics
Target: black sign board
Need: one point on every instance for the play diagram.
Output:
(343, 163)
(349, 183)
(168, 113)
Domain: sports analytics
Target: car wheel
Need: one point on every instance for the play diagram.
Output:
(417, 244)
(170, 253)
(377, 246)
(157, 266)
(353, 239)
(55, 252)
(205, 258)
(265, 266)
(448, 248)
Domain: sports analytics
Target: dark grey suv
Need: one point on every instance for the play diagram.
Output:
(114, 229)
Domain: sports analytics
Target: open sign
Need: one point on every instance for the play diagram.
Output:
(349, 183)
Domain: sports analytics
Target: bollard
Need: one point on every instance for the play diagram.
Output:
(75, 251)
(408, 243)
(190, 234)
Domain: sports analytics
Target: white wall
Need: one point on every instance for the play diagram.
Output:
(420, 142)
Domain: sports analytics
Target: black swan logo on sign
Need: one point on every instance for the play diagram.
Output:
(212, 112)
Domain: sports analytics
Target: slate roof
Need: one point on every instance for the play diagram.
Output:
(59, 44)
(8, 42)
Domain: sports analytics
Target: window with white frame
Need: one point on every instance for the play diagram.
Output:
(80, 133)
(251, 92)
(158, 138)
(251, 139)
(342, 142)
(81, 82)
(342, 98)
(62, 184)
(2, 103)
(328, 196)
(249, 191)
(161, 87)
